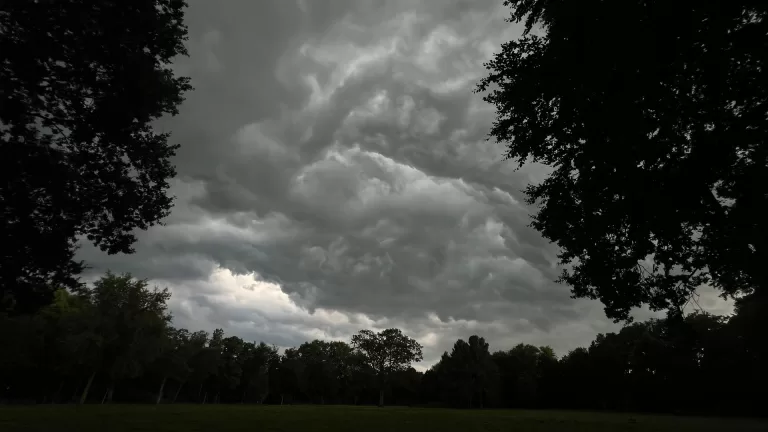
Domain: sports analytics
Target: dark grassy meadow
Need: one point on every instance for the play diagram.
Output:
(223, 418)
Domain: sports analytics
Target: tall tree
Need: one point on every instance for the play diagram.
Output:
(576, 383)
(323, 367)
(256, 361)
(470, 367)
(204, 364)
(72, 337)
(81, 84)
(652, 115)
(359, 375)
(518, 375)
(132, 321)
(386, 352)
(290, 378)
(174, 361)
(548, 377)
(82, 341)
(230, 370)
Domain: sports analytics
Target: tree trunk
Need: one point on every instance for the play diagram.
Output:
(322, 400)
(242, 399)
(110, 392)
(281, 399)
(178, 390)
(160, 392)
(199, 392)
(103, 398)
(381, 397)
(205, 396)
(58, 391)
(84, 396)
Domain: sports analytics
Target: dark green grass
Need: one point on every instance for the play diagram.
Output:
(224, 418)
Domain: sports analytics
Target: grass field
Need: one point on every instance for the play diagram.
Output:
(224, 418)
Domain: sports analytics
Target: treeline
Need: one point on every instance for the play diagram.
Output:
(114, 342)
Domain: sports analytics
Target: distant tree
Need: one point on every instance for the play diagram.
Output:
(360, 376)
(609, 357)
(187, 349)
(324, 366)
(80, 341)
(117, 333)
(521, 372)
(204, 365)
(169, 362)
(405, 386)
(342, 358)
(471, 370)
(230, 370)
(386, 352)
(276, 380)
(52, 345)
(132, 322)
(576, 382)
(256, 361)
(653, 116)
(627, 369)
(431, 384)
(81, 84)
(548, 377)
(174, 360)
(290, 379)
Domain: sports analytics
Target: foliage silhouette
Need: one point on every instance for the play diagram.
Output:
(386, 353)
(114, 342)
(80, 85)
(653, 116)
(656, 134)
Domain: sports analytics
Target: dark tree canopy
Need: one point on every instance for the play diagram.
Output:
(114, 342)
(80, 85)
(653, 115)
(386, 353)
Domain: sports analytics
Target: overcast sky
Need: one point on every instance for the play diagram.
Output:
(334, 175)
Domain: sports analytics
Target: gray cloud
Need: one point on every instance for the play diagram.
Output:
(334, 175)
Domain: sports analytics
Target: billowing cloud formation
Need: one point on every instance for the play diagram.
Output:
(334, 175)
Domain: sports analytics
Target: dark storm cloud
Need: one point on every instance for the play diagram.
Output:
(334, 175)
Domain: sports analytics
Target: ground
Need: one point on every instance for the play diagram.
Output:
(224, 418)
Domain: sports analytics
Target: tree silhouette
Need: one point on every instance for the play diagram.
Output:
(386, 352)
(471, 372)
(80, 85)
(132, 321)
(116, 335)
(653, 116)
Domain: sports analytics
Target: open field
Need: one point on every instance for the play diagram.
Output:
(223, 418)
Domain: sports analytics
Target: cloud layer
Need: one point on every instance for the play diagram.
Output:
(334, 175)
